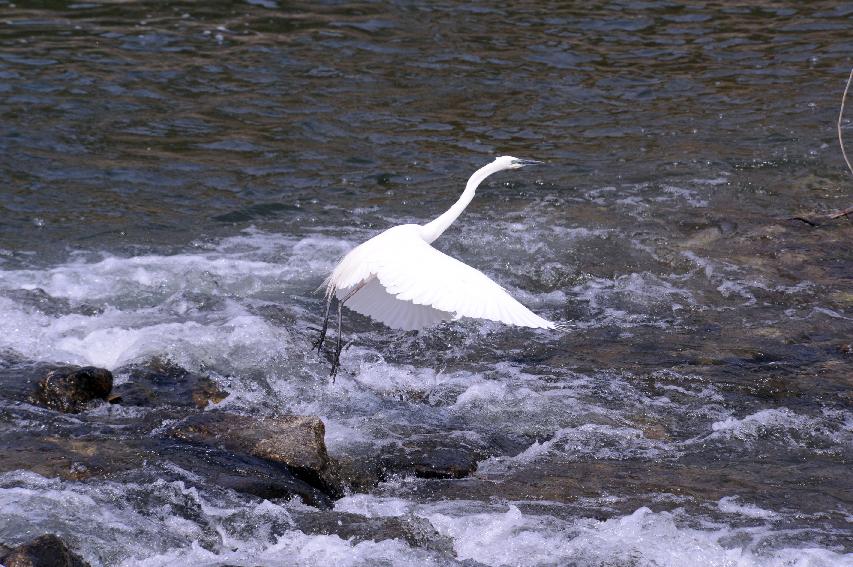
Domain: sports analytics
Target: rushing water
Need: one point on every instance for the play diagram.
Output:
(178, 178)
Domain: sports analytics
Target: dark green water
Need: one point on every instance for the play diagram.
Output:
(177, 178)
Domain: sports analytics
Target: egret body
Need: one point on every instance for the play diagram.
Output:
(399, 279)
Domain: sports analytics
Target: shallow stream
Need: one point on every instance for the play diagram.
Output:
(176, 180)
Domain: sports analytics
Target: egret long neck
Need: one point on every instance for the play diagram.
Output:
(434, 229)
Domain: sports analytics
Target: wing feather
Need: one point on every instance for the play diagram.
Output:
(375, 302)
(411, 285)
(427, 276)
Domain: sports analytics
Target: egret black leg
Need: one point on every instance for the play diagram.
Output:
(318, 344)
(336, 361)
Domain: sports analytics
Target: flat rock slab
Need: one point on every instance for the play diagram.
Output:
(45, 551)
(295, 440)
(70, 389)
(637, 482)
(69, 458)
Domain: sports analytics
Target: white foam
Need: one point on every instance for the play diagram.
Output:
(731, 505)
(169, 523)
(725, 276)
(730, 287)
(226, 338)
(500, 534)
(832, 429)
(374, 506)
(633, 299)
(223, 527)
(688, 195)
(714, 181)
(195, 308)
(752, 424)
(246, 264)
(294, 548)
(587, 441)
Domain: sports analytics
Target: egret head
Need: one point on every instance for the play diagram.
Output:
(509, 162)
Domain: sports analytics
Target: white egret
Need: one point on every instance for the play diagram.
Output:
(399, 279)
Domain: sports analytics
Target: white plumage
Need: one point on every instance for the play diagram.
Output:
(411, 285)
(399, 279)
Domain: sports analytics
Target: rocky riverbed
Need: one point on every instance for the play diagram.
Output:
(160, 423)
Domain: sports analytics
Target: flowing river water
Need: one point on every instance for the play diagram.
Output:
(177, 178)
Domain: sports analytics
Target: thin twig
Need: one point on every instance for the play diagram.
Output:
(843, 213)
(840, 116)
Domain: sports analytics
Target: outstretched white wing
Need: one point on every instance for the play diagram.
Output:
(375, 302)
(411, 285)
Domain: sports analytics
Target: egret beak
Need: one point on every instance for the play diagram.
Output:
(523, 162)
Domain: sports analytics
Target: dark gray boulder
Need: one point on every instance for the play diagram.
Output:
(160, 382)
(70, 389)
(433, 456)
(45, 551)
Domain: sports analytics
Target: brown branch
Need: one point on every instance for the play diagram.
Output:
(843, 213)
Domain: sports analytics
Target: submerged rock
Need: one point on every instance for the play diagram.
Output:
(359, 473)
(70, 389)
(41, 301)
(161, 382)
(416, 531)
(296, 441)
(433, 456)
(45, 551)
(70, 458)
(428, 456)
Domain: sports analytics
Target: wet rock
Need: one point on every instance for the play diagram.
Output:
(416, 531)
(242, 473)
(39, 300)
(651, 428)
(45, 551)
(442, 462)
(639, 481)
(421, 455)
(161, 382)
(433, 457)
(295, 441)
(137, 459)
(70, 389)
(703, 237)
(53, 456)
(360, 473)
